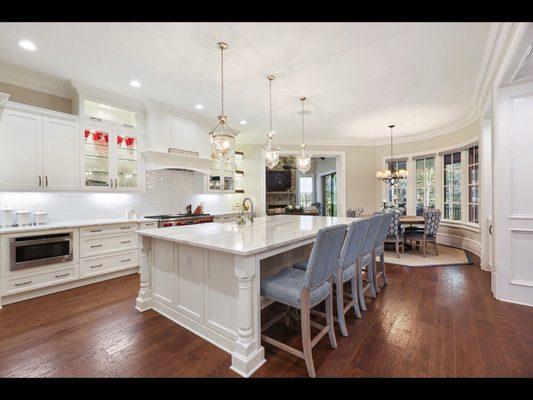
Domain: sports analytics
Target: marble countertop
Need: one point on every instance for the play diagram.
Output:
(72, 224)
(263, 234)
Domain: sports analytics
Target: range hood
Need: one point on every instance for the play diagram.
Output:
(157, 160)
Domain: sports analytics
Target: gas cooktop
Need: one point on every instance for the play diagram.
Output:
(166, 220)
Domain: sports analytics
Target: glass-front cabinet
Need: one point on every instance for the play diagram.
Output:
(110, 159)
(222, 176)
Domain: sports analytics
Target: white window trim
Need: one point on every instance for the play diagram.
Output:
(439, 177)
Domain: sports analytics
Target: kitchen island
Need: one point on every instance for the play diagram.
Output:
(206, 277)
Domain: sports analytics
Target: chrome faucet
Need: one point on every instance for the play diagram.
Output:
(245, 207)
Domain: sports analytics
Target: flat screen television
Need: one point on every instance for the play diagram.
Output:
(277, 181)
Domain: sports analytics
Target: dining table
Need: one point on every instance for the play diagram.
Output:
(411, 220)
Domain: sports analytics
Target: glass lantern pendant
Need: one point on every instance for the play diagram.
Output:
(270, 149)
(222, 137)
(303, 160)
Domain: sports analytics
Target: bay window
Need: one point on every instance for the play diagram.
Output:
(452, 186)
(424, 183)
(473, 184)
(397, 193)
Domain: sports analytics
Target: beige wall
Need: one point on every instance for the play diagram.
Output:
(34, 98)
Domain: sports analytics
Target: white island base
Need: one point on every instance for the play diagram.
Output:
(206, 277)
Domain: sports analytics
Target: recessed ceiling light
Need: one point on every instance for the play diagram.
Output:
(243, 122)
(135, 83)
(27, 45)
(199, 107)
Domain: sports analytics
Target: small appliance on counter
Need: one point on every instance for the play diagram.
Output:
(7, 217)
(40, 218)
(23, 218)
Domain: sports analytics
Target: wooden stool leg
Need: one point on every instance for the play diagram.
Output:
(306, 335)
(423, 247)
(397, 249)
(340, 303)
(382, 262)
(435, 246)
(329, 315)
(371, 275)
(360, 286)
(355, 296)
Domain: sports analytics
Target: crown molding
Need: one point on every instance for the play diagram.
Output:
(77, 88)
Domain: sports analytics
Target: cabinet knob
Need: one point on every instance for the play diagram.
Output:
(40, 181)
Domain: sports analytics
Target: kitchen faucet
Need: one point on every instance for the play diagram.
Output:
(245, 207)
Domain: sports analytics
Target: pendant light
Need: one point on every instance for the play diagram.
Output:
(222, 137)
(270, 149)
(392, 176)
(303, 161)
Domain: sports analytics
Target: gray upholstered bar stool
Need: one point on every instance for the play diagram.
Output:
(346, 271)
(367, 260)
(380, 249)
(305, 289)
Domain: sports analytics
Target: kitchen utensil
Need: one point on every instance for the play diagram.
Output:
(199, 209)
(189, 209)
(7, 217)
(40, 218)
(23, 218)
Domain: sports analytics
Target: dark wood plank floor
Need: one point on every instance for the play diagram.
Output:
(440, 321)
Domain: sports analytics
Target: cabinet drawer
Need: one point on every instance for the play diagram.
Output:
(36, 281)
(108, 229)
(93, 246)
(148, 225)
(104, 264)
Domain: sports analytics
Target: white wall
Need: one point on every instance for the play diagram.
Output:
(172, 191)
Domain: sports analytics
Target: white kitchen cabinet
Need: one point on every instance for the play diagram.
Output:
(20, 151)
(61, 160)
(38, 153)
(110, 159)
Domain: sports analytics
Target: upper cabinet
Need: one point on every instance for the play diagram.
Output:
(165, 130)
(110, 159)
(38, 153)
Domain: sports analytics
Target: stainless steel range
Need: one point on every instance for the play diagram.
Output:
(167, 220)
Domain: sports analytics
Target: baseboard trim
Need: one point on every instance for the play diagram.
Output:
(460, 242)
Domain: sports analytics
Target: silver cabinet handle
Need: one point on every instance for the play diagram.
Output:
(95, 266)
(127, 126)
(126, 260)
(111, 184)
(40, 181)
(96, 245)
(95, 230)
(23, 283)
(96, 119)
(490, 229)
(116, 184)
(125, 227)
(126, 241)
(62, 276)
(46, 180)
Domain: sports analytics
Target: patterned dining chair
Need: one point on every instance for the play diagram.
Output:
(395, 233)
(429, 234)
(346, 271)
(303, 290)
(353, 212)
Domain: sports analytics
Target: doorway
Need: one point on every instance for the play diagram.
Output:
(329, 194)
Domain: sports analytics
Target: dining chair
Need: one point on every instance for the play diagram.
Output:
(353, 212)
(395, 232)
(304, 290)
(367, 260)
(346, 271)
(380, 249)
(429, 234)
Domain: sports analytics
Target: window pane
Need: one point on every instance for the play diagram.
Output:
(457, 176)
(420, 165)
(306, 185)
(476, 154)
(456, 158)
(457, 194)
(447, 159)
(448, 177)
(448, 194)
(446, 211)
(420, 195)
(402, 165)
(456, 212)
(432, 197)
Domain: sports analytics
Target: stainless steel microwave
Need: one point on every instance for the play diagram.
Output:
(38, 250)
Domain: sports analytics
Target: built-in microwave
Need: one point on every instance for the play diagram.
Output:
(37, 250)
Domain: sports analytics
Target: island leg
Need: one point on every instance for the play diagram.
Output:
(144, 298)
(248, 354)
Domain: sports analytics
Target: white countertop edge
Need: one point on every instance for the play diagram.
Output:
(72, 224)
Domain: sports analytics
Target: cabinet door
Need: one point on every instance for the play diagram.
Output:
(61, 156)
(159, 131)
(126, 159)
(95, 159)
(188, 135)
(20, 151)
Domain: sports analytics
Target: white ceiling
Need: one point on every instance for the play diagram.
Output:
(358, 77)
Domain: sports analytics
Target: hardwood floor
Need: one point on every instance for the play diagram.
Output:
(439, 321)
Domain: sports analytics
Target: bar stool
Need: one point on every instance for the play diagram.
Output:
(367, 260)
(305, 289)
(380, 249)
(346, 271)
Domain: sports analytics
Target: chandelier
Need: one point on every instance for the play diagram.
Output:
(392, 176)
(270, 149)
(222, 137)
(303, 161)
